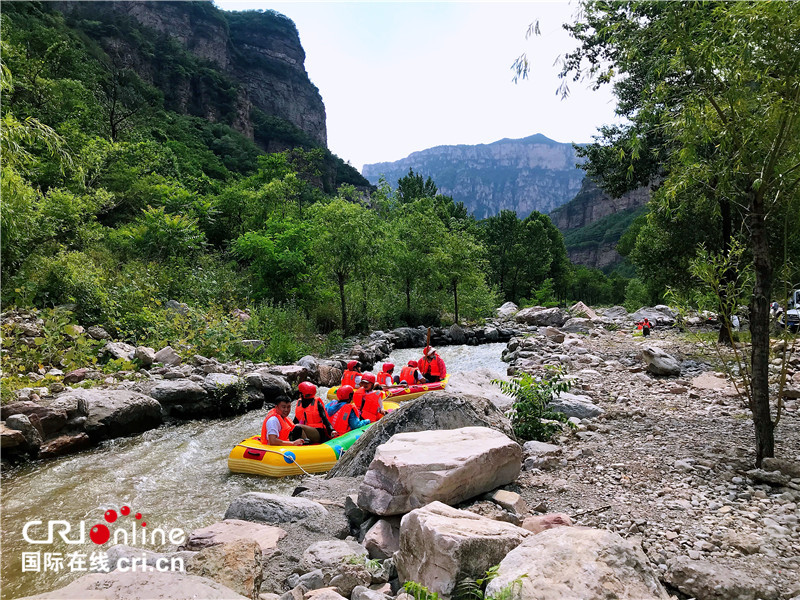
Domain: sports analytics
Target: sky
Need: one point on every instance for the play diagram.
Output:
(397, 77)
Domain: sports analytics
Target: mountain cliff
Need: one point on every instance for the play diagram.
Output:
(524, 175)
(244, 69)
(593, 222)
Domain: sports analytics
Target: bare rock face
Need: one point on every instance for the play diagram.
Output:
(659, 362)
(141, 586)
(566, 563)
(440, 545)
(236, 565)
(433, 411)
(450, 466)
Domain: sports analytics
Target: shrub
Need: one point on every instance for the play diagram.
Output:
(532, 403)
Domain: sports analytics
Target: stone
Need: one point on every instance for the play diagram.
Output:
(51, 419)
(327, 593)
(441, 545)
(291, 373)
(355, 516)
(365, 593)
(655, 316)
(330, 553)
(383, 539)
(328, 375)
(313, 580)
(414, 469)
(787, 467)
(121, 551)
(236, 565)
(507, 310)
(98, 333)
(10, 438)
(479, 383)
(573, 405)
(710, 381)
(168, 356)
(179, 307)
(118, 350)
(64, 444)
(616, 313)
(253, 345)
(580, 310)
(146, 356)
(567, 563)
(576, 325)
(179, 391)
(770, 477)
(457, 335)
(219, 383)
(537, 315)
(231, 530)
(114, 413)
(433, 411)
(510, 501)
(137, 585)
(350, 576)
(540, 523)
(554, 334)
(75, 376)
(534, 448)
(270, 384)
(310, 364)
(407, 337)
(659, 362)
(273, 508)
(22, 423)
(713, 581)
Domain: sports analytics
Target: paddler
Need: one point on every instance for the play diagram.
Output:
(278, 430)
(343, 413)
(410, 374)
(431, 365)
(368, 400)
(310, 415)
(352, 375)
(385, 376)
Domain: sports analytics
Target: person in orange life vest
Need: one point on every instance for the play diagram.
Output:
(410, 375)
(352, 375)
(278, 430)
(432, 365)
(385, 376)
(368, 400)
(310, 415)
(343, 413)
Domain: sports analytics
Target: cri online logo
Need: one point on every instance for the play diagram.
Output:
(100, 533)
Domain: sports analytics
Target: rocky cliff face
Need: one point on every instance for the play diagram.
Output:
(255, 61)
(534, 173)
(592, 204)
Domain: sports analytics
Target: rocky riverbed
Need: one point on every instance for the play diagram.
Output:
(652, 494)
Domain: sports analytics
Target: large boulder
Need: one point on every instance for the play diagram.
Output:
(565, 563)
(479, 383)
(52, 420)
(269, 383)
(168, 356)
(578, 325)
(407, 337)
(414, 469)
(138, 585)
(11, 438)
(711, 581)
(273, 508)
(440, 545)
(616, 313)
(118, 350)
(660, 315)
(580, 310)
(113, 413)
(659, 362)
(184, 394)
(433, 411)
(231, 530)
(236, 565)
(507, 310)
(574, 405)
(543, 317)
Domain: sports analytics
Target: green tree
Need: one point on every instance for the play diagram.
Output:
(720, 82)
(413, 187)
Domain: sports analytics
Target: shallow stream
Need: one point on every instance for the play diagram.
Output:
(176, 476)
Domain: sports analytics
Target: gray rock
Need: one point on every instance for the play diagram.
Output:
(179, 391)
(364, 593)
(507, 310)
(21, 423)
(118, 350)
(350, 576)
(219, 382)
(457, 335)
(231, 530)
(313, 580)
(712, 581)
(659, 362)
(52, 420)
(330, 553)
(146, 356)
(655, 316)
(407, 337)
(98, 333)
(538, 315)
(270, 384)
(114, 413)
(168, 356)
(616, 313)
(272, 508)
(179, 307)
(383, 539)
(433, 411)
(253, 344)
(573, 405)
(578, 325)
(309, 363)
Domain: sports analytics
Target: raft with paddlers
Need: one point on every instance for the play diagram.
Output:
(401, 393)
(255, 458)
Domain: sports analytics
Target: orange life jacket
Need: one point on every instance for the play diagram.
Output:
(407, 375)
(384, 378)
(434, 367)
(310, 416)
(368, 404)
(339, 421)
(349, 378)
(286, 426)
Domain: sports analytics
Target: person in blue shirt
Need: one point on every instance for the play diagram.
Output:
(343, 414)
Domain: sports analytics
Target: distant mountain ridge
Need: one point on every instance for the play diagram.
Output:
(525, 175)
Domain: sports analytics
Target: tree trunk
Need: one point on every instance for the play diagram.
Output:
(759, 330)
(340, 278)
(725, 319)
(455, 298)
(408, 296)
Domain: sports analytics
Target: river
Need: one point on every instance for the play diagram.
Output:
(176, 476)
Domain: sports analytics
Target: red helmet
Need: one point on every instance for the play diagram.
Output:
(412, 363)
(388, 367)
(344, 392)
(369, 378)
(352, 364)
(307, 389)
